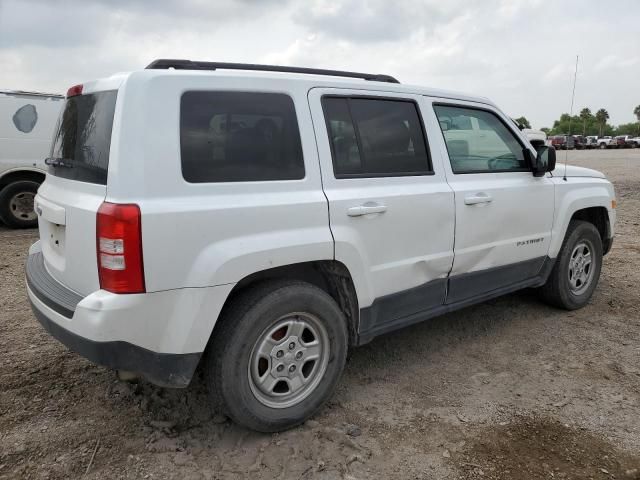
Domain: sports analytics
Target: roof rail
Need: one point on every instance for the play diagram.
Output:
(191, 65)
(31, 94)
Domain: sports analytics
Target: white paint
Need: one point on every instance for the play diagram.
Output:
(199, 240)
(21, 151)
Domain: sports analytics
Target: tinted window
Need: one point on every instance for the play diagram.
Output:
(371, 137)
(83, 138)
(239, 137)
(485, 144)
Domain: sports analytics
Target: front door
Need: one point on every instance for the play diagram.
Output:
(504, 214)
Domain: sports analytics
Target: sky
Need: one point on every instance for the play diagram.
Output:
(519, 53)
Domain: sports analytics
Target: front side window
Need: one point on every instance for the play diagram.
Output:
(239, 137)
(478, 141)
(372, 138)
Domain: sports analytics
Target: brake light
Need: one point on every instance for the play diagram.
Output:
(119, 248)
(75, 90)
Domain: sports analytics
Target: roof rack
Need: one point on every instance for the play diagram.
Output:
(191, 65)
(31, 94)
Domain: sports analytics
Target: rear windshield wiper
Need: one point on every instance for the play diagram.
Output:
(58, 162)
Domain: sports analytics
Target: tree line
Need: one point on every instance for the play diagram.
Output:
(588, 123)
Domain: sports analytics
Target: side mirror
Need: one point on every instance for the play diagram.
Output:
(545, 161)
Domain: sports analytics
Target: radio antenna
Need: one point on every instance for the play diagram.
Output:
(573, 96)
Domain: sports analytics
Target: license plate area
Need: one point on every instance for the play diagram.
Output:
(53, 237)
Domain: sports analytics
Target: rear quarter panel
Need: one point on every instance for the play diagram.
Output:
(206, 234)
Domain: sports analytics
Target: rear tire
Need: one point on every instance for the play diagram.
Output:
(16, 204)
(577, 269)
(268, 339)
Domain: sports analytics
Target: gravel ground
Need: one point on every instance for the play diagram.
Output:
(511, 389)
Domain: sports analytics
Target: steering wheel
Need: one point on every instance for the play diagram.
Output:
(494, 163)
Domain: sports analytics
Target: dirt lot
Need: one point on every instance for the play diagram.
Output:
(511, 389)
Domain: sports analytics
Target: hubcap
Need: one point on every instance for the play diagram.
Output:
(21, 206)
(581, 267)
(289, 360)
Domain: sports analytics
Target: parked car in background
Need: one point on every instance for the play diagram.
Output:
(620, 142)
(635, 142)
(579, 142)
(591, 142)
(264, 222)
(27, 121)
(563, 142)
(606, 142)
(629, 141)
(537, 138)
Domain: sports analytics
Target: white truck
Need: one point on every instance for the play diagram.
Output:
(606, 142)
(261, 220)
(27, 122)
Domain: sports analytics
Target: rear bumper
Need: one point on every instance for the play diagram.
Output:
(160, 336)
(164, 369)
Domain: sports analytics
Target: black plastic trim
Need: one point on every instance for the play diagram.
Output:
(385, 310)
(179, 64)
(370, 326)
(163, 369)
(49, 291)
(472, 284)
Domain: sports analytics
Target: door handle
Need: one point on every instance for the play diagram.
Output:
(478, 198)
(366, 209)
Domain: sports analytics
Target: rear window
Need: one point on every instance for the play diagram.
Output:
(239, 137)
(82, 140)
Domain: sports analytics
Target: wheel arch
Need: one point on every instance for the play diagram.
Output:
(331, 276)
(17, 175)
(599, 217)
(591, 204)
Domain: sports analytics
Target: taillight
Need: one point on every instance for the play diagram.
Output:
(75, 90)
(119, 248)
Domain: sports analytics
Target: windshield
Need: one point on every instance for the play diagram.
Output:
(82, 140)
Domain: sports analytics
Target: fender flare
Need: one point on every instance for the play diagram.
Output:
(593, 195)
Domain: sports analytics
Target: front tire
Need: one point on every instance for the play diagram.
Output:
(277, 355)
(16, 204)
(575, 275)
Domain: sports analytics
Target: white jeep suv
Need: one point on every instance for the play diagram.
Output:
(259, 221)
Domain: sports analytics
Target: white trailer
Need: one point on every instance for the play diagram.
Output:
(27, 122)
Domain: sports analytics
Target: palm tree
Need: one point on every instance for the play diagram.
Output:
(585, 114)
(601, 117)
(636, 112)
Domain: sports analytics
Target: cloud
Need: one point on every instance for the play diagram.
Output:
(365, 21)
(519, 53)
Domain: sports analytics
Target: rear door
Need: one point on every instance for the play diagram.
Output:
(503, 213)
(391, 211)
(68, 201)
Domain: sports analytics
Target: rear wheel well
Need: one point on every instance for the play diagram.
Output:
(329, 275)
(599, 217)
(21, 175)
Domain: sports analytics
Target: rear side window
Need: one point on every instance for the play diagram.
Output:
(82, 140)
(375, 137)
(239, 137)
